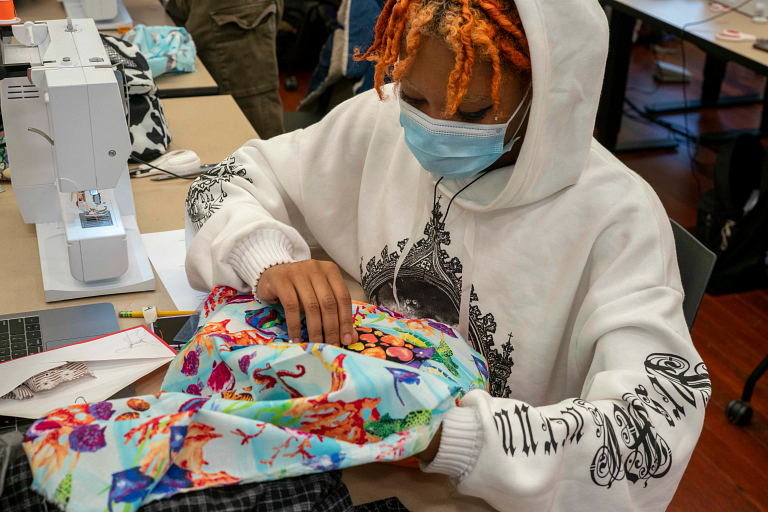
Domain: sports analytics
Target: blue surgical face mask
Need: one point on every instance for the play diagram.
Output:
(453, 149)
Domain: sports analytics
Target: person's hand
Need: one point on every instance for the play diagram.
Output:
(316, 288)
(430, 453)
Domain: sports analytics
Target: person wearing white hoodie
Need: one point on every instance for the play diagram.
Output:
(470, 190)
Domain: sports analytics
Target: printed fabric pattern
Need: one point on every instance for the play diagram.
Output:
(239, 404)
(167, 49)
(321, 492)
(64, 373)
(3, 159)
(20, 392)
(147, 125)
(49, 379)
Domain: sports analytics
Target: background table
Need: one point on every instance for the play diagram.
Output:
(147, 12)
(213, 127)
(671, 16)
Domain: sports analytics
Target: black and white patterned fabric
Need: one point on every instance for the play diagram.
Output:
(316, 493)
(319, 492)
(17, 495)
(386, 505)
(148, 128)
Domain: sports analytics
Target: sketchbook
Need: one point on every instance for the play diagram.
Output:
(116, 360)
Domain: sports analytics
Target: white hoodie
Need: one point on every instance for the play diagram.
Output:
(561, 270)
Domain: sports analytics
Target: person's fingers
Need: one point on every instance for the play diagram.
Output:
(292, 307)
(328, 308)
(311, 306)
(318, 289)
(347, 331)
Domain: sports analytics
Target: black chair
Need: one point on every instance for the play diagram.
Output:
(696, 263)
(298, 120)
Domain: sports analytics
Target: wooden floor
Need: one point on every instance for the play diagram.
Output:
(729, 469)
(291, 99)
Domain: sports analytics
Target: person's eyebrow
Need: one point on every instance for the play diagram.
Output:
(409, 84)
(476, 97)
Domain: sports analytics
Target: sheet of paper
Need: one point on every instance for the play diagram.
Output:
(167, 252)
(124, 348)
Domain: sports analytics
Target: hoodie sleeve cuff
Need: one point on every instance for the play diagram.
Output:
(460, 444)
(260, 250)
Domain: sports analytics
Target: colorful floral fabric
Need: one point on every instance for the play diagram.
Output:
(239, 404)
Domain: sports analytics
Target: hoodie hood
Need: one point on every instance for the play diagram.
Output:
(568, 40)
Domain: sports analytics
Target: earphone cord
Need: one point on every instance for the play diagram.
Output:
(434, 200)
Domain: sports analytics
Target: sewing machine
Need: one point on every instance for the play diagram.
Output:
(64, 109)
(108, 14)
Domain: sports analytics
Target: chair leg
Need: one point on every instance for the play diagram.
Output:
(749, 387)
(739, 412)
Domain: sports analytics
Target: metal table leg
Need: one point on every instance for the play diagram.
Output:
(717, 138)
(610, 110)
(611, 106)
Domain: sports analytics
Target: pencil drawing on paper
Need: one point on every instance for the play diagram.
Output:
(133, 339)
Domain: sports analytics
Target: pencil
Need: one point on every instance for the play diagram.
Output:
(140, 314)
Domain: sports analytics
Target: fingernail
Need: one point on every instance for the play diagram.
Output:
(347, 339)
(296, 340)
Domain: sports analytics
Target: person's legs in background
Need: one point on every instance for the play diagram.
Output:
(264, 111)
(235, 39)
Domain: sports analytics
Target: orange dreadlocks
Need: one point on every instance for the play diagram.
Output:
(473, 28)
